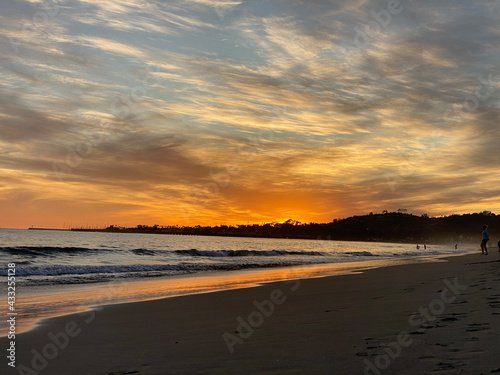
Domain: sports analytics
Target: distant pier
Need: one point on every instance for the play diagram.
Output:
(32, 228)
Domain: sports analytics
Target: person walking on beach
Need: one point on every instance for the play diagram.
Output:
(486, 238)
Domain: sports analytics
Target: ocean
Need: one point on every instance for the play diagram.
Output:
(59, 272)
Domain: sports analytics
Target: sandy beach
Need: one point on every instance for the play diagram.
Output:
(428, 318)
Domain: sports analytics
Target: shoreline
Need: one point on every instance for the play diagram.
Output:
(341, 324)
(77, 298)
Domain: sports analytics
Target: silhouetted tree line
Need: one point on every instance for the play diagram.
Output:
(388, 226)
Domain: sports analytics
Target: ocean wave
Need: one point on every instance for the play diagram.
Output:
(46, 250)
(245, 253)
(409, 254)
(361, 253)
(139, 269)
(36, 280)
(144, 252)
(52, 251)
(55, 270)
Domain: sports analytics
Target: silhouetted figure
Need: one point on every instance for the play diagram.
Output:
(418, 247)
(425, 247)
(456, 246)
(486, 238)
(498, 246)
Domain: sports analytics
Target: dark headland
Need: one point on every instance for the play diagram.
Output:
(387, 226)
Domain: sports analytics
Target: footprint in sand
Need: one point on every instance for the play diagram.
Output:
(443, 366)
(375, 347)
(419, 332)
(476, 327)
(449, 319)
(362, 354)
(427, 357)
(371, 344)
(494, 302)
(127, 371)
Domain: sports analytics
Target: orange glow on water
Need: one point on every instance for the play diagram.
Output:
(37, 305)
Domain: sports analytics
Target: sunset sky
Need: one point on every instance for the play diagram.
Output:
(226, 112)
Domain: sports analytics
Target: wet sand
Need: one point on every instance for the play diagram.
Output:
(427, 318)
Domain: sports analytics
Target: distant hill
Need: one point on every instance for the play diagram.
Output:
(387, 226)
